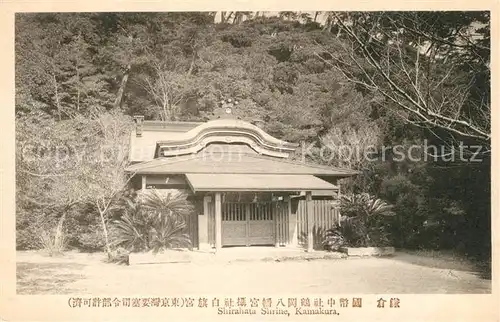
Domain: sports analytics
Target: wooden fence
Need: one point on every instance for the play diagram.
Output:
(282, 227)
(192, 222)
(325, 217)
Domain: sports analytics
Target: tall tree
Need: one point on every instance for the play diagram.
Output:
(426, 64)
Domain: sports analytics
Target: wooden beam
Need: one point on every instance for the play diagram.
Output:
(143, 186)
(218, 221)
(310, 221)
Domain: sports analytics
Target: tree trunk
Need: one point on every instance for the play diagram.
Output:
(56, 93)
(59, 236)
(315, 15)
(121, 90)
(77, 87)
(165, 111)
(77, 62)
(104, 228)
(191, 66)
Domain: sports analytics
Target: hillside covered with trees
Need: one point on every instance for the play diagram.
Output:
(361, 80)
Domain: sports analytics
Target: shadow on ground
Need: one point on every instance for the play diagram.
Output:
(481, 269)
(47, 278)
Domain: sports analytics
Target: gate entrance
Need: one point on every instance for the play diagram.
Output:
(248, 224)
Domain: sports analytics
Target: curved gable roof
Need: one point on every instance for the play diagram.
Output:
(225, 131)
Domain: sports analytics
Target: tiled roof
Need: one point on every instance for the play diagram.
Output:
(256, 182)
(243, 163)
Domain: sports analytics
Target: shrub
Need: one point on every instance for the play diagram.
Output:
(53, 241)
(90, 240)
(119, 256)
(318, 237)
(28, 227)
(334, 239)
(85, 229)
(362, 222)
(168, 232)
(153, 221)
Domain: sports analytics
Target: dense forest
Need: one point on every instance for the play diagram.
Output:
(354, 79)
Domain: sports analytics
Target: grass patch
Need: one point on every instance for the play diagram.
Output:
(47, 278)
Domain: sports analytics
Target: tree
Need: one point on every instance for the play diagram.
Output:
(168, 89)
(56, 68)
(428, 71)
(102, 175)
(72, 163)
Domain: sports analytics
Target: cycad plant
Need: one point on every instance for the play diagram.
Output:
(361, 217)
(168, 232)
(159, 203)
(319, 234)
(154, 221)
(334, 239)
(133, 227)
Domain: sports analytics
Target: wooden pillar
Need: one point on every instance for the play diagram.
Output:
(275, 213)
(203, 226)
(143, 186)
(310, 221)
(218, 221)
(247, 226)
(292, 225)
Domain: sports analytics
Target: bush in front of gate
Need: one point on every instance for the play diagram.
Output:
(362, 224)
(152, 221)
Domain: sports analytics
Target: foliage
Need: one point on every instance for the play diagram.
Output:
(53, 241)
(318, 237)
(60, 166)
(361, 225)
(154, 221)
(167, 233)
(334, 239)
(88, 239)
(119, 256)
(160, 203)
(426, 70)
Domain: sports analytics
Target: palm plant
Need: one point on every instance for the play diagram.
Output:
(167, 233)
(155, 221)
(161, 203)
(359, 220)
(132, 228)
(319, 234)
(334, 239)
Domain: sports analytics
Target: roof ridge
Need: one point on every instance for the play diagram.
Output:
(162, 161)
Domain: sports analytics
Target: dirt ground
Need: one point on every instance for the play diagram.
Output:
(404, 273)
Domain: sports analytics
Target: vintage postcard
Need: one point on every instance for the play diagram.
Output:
(234, 160)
